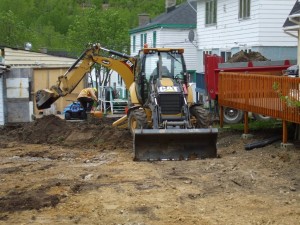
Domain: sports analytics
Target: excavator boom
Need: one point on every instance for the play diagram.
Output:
(68, 82)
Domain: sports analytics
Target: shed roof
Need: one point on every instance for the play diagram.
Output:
(22, 58)
(183, 16)
(293, 20)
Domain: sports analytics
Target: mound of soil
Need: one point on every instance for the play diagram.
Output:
(54, 130)
(243, 56)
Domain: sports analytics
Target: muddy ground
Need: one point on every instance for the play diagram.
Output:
(58, 172)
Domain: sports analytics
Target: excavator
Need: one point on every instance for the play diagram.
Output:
(163, 119)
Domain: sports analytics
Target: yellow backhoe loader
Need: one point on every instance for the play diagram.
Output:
(165, 122)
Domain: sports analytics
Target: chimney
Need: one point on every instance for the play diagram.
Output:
(170, 5)
(43, 50)
(105, 6)
(144, 19)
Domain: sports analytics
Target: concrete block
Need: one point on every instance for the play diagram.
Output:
(287, 146)
(247, 136)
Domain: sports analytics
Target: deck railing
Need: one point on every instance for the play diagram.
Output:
(270, 95)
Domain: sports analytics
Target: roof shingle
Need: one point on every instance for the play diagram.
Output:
(294, 11)
(182, 15)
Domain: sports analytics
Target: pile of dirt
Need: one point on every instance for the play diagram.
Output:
(243, 56)
(54, 130)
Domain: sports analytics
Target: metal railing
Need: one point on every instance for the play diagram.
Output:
(112, 100)
(270, 95)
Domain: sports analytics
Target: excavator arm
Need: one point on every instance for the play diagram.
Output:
(68, 82)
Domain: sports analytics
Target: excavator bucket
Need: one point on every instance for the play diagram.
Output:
(44, 98)
(175, 144)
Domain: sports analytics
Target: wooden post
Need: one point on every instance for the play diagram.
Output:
(246, 123)
(221, 116)
(284, 132)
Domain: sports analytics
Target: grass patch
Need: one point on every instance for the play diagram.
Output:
(256, 125)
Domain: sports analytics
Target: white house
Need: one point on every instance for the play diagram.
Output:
(176, 27)
(225, 27)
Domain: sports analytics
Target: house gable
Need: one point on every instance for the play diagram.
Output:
(183, 16)
(293, 20)
(170, 29)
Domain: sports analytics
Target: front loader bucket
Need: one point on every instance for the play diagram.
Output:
(175, 144)
(44, 98)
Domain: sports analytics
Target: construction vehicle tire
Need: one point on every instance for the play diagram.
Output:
(137, 120)
(201, 116)
(232, 116)
(67, 116)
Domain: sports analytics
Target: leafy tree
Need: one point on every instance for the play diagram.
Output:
(107, 27)
(12, 29)
(70, 24)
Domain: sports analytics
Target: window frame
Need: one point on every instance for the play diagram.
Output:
(206, 52)
(226, 55)
(211, 12)
(142, 40)
(145, 38)
(133, 43)
(154, 39)
(244, 9)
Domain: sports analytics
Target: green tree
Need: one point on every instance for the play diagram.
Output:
(71, 24)
(12, 30)
(108, 27)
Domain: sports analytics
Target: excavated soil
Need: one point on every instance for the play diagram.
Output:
(243, 56)
(58, 172)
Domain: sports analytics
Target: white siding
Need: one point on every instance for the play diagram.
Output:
(264, 28)
(1, 102)
(138, 40)
(229, 31)
(272, 15)
(176, 38)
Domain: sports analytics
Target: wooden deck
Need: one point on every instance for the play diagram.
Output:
(269, 95)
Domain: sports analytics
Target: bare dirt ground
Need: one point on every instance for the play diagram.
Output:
(58, 172)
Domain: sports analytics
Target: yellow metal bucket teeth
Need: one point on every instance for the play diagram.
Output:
(175, 144)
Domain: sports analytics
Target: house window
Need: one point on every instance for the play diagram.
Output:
(133, 43)
(226, 56)
(244, 10)
(206, 52)
(154, 39)
(145, 38)
(211, 12)
(142, 38)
